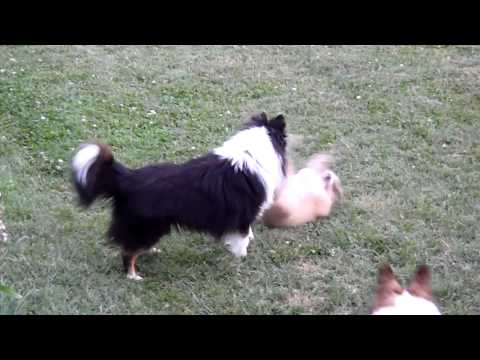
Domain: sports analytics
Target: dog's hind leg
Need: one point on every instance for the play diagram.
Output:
(135, 238)
(160, 229)
(129, 265)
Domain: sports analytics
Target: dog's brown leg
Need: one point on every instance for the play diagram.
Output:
(129, 266)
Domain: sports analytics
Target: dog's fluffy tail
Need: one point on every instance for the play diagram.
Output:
(95, 173)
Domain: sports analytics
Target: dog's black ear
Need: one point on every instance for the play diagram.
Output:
(260, 119)
(278, 123)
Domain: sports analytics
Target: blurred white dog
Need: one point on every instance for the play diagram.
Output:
(306, 195)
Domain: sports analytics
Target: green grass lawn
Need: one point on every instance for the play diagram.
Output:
(404, 122)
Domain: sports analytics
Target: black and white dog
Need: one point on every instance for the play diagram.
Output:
(221, 193)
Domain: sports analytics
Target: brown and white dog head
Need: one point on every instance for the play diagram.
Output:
(392, 299)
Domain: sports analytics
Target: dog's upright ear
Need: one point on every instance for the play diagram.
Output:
(421, 283)
(387, 287)
(386, 279)
(259, 119)
(278, 123)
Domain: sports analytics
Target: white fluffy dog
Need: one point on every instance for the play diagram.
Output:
(306, 195)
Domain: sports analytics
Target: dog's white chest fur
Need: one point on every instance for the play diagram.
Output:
(252, 149)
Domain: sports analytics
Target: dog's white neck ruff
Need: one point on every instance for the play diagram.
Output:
(252, 149)
(407, 304)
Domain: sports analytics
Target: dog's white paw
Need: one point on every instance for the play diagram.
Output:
(250, 234)
(134, 276)
(3, 231)
(237, 244)
(239, 252)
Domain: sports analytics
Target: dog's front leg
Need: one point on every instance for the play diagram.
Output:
(250, 233)
(237, 243)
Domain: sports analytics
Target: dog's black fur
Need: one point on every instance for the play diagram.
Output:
(205, 194)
